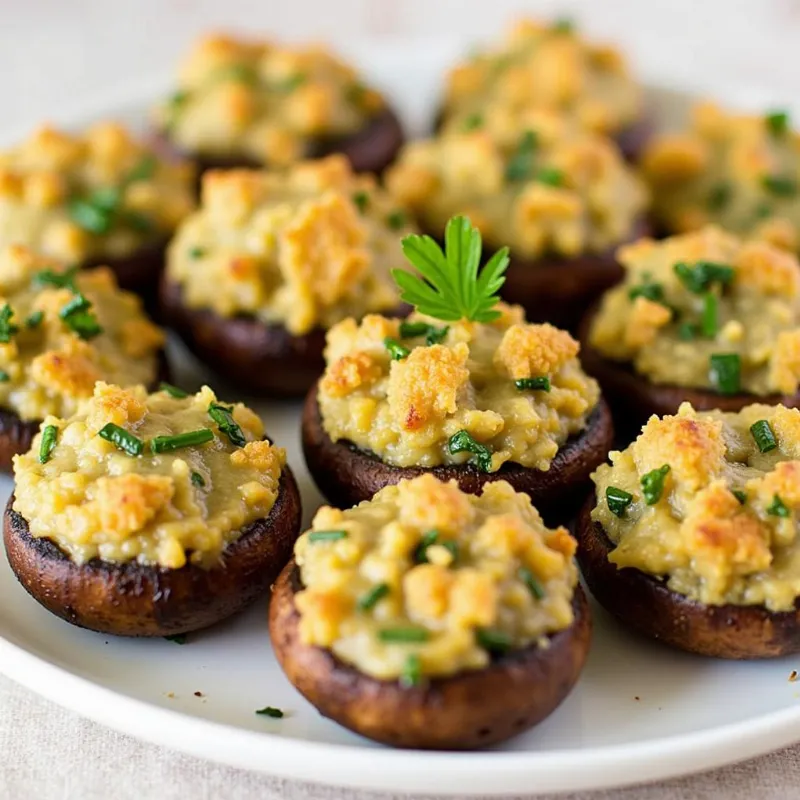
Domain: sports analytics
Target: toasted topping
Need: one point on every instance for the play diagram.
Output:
(458, 400)
(370, 598)
(707, 310)
(733, 170)
(292, 247)
(91, 196)
(718, 518)
(138, 477)
(545, 66)
(533, 181)
(48, 361)
(263, 101)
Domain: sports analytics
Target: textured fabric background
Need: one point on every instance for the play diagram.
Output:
(55, 56)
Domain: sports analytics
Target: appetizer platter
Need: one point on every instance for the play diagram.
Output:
(314, 487)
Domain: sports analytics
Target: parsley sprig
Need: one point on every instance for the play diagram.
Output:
(452, 287)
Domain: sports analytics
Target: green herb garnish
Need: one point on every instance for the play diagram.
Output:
(537, 384)
(4, 376)
(138, 221)
(166, 444)
(269, 711)
(48, 443)
(763, 435)
(91, 214)
(74, 305)
(354, 93)
(719, 196)
(462, 442)
(725, 371)
(61, 280)
(520, 165)
(361, 201)
(223, 416)
(197, 252)
(699, 277)
(432, 334)
(428, 539)
(144, 170)
(412, 672)
(7, 328)
(740, 495)
(237, 72)
(777, 122)
(79, 318)
(648, 289)
(326, 536)
(532, 582)
(653, 484)
(172, 391)
(618, 500)
(778, 508)
(396, 350)
(780, 185)
(34, 320)
(121, 439)
(396, 220)
(472, 122)
(451, 286)
(493, 640)
(292, 82)
(373, 596)
(551, 176)
(709, 322)
(563, 25)
(687, 331)
(198, 480)
(409, 634)
(177, 638)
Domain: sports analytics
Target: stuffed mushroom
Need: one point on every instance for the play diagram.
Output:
(562, 198)
(61, 330)
(98, 197)
(271, 260)
(692, 538)
(150, 515)
(431, 618)
(254, 103)
(463, 388)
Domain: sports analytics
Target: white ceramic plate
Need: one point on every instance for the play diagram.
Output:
(640, 712)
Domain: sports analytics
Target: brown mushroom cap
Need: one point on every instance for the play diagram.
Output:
(347, 475)
(17, 434)
(130, 599)
(467, 710)
(646, 604)
(634, 399)
(370, 149)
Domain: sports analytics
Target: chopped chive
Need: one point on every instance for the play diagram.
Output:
(91, 217)
(777, 122)
(779, 185)
(778, 508)
(61, 280)
(121, 439)
(463, 442)
(74, 305)
(396, 220)
(532, 582)
(7, 328)
(725, 372)
(618, 500)
(373, 596)
(237, 72)
(410, 634)
(143, 171)
(269, 711)
(165, 444)
(472, 122)
(420, 552)
(648, 289)
(493, 640)
(653, 484)
(49, 437)
(4, 376)
(84, 324)
(699, 277)
(198, 480)
(551, 176)
(197, 252)
(141, 223)
(34, 320)
(326, 536)
(412, 672)
(763, 435)
(740, 495)
(396, 350)
(541, 384)
(223, 416)
(520, 165)
(719, 196)
(563, 25)
(361, 201)
(177, 638)
(172, 391)
(709, 322)
(432, 334)
(687, 331)
(292, 82)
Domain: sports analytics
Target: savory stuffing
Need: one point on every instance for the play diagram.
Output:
(423, 393)
(426, 580)
(61, 330)
(266, 102)
(96, 195)
(692, 300)
(532, 179)
(710, 502)
(546, 66)
(304, 247)
(741, 172)
(163, 479)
